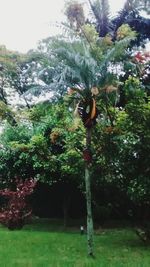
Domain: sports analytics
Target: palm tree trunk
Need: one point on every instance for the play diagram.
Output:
(88, 198)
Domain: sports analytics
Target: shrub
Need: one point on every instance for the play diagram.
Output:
(17, 210)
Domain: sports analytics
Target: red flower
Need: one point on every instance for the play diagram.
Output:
(139, 57)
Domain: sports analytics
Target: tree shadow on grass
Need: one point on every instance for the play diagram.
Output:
(121, 238)
(52, 225)
(114, 238)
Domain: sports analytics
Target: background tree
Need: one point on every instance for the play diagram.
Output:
(46, 146)
(100, 10)
(8, 64)
(130, 14)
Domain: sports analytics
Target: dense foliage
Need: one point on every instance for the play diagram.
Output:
(46, 141)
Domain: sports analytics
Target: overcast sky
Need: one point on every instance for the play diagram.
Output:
(24, 22)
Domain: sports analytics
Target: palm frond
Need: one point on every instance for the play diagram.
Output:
(115, 53)
(74, 65)
(100, 10)
(78, 66)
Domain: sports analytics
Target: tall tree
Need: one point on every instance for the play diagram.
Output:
(75, 14)
(130, 15)
(85, 70)
(100, 10)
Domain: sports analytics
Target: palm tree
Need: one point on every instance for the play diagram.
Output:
(100, 10)
(128, 15)
(84, 68)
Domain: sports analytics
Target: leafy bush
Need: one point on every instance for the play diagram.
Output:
(17, 210)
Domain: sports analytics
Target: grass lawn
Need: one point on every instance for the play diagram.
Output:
(46, 244)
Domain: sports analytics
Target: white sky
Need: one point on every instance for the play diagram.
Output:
(24, 22)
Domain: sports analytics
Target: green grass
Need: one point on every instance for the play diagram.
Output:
(46, 244)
